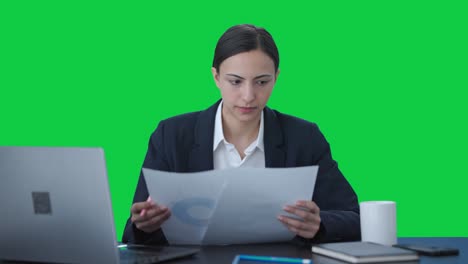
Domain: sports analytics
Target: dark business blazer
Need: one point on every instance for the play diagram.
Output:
(184, 143)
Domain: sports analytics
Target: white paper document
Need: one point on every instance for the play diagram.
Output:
(229, 206)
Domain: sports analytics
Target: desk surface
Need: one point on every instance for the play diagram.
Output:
(225, 254)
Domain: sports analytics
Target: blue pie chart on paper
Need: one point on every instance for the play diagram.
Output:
(182, 210)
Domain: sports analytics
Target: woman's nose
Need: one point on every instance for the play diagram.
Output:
(248, 93)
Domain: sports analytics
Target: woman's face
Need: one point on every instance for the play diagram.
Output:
(245, 81)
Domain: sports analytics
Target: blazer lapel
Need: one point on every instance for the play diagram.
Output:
(275, 155)
(201, 154)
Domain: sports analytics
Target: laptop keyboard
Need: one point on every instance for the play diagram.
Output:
(139, 256)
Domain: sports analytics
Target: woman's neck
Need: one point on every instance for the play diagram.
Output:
(240, 134)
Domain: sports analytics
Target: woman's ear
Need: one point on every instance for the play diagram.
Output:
(215, 76)
(277, 73)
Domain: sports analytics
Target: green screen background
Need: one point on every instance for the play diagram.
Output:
(386, 81)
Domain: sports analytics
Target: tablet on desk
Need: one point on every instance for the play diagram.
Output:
(254, 259)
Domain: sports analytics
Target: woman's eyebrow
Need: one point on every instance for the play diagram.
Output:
(235, 75)
(263, 75)
(257, 77)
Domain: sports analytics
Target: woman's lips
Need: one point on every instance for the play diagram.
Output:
(246, 110)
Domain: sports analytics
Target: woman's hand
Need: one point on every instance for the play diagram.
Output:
(309, 223)
(149, 216)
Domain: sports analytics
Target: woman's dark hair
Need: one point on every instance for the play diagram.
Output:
(243, 38)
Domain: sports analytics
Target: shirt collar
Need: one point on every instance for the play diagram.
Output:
(219, 133)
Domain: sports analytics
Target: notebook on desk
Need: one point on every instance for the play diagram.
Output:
(56, 207)
(364, 252)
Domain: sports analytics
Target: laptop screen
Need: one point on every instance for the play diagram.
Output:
(56, 207)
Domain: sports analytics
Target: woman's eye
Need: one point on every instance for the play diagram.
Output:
(262, 82)
(234, 82)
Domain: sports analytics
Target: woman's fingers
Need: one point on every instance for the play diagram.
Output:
(148, 215)
(153, 223)
(308, 219)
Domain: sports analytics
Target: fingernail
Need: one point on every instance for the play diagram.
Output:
(149, 199)
(142, 213)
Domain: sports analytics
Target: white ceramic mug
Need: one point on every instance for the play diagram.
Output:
(378, 222)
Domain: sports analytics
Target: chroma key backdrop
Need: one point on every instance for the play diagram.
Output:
(386, 82)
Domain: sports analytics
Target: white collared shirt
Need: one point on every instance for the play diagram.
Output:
(225, 154)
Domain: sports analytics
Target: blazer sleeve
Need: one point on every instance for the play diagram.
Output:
(338, 203)
(155, 159)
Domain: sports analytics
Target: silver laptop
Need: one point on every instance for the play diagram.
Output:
(55, 207)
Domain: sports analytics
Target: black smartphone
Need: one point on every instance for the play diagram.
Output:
(430, 250)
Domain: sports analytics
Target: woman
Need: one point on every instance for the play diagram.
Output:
(240, 130)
